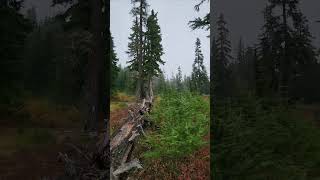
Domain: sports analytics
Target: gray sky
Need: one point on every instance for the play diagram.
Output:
(245, 18)
(178, 39)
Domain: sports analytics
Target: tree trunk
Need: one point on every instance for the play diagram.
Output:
(284, 65)
(150, 89)
(96, 95)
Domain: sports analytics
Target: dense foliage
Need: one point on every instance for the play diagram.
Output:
(183, 119)
(14, 29)
(145, 48)
(258, 139)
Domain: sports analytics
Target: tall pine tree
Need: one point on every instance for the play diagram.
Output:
(179, 80)
(114, 67)
(285, 44)
(153, 50)
(199, 77)
(141, 12)
(222, 48)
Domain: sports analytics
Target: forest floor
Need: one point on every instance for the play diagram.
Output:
(31, 138)
(195, 166)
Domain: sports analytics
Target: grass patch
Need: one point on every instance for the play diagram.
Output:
(117, 105)
(184, 121)
(258, 140)
(122, 97)
(45, 113)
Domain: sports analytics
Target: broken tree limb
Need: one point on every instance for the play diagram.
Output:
(127, 166)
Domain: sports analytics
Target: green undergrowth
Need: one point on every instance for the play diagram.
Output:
(183, 120)
(260, 140)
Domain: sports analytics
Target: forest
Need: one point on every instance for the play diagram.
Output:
(265, 107)
(72, 109)
(66, 100)
(55, 84)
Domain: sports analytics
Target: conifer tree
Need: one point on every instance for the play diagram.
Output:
(161, 85)
(200, 23)
(241, 51)
(133, 47)
(179, 80)
(199, 77)
(269, 54)
(141, 12)
(285, 44)
(114, 66)
(239, 67)
(222, 48)
(153, 50)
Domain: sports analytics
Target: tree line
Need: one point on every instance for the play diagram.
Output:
(198, 81)
(63, 58)
(279, 65)
(145, 51)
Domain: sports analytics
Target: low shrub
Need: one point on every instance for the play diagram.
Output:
(183, 119)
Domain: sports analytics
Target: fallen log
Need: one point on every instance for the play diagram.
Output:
(123, 140)
(95, 164)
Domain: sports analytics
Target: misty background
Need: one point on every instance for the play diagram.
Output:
(178, 39)
(245, 19)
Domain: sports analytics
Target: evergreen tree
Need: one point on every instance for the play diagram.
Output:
(125, 81)
(114, 66)
(284, 46)
(153, 50)
(141, 12)
(239, 68)
(241, 51)
(187, 83)
(200, 23)
(199, 77)
(269, 54)
(14, 29)
(222, 59)
(179, 80)
(161, 85)
(89, 18)
(133, 47)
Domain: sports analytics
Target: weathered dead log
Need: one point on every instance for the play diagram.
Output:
(121, 144)
(95, 165)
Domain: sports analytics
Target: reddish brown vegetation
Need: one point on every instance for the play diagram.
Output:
(197, 166)
(117, 118)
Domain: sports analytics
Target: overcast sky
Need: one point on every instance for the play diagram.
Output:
(178, 39)
(245, 18)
